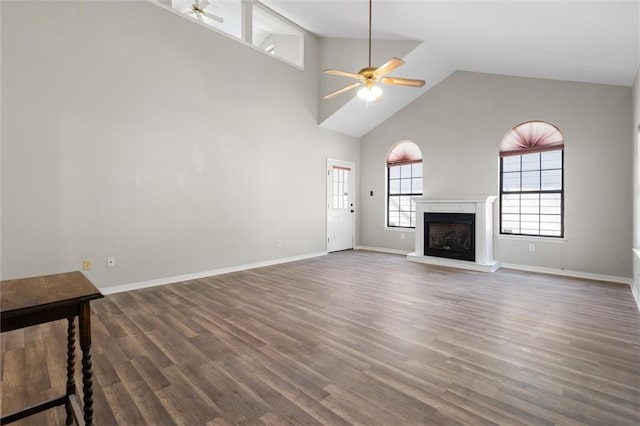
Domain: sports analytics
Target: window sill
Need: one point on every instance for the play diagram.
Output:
(398, 229)
(531, 238)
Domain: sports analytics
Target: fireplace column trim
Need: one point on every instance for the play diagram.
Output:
(482, 207)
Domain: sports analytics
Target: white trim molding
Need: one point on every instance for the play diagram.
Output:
(554, 240)
(204, 274)
(383, 250)
(636, 295)
(635, 284)
(567, 273)
(399, 229)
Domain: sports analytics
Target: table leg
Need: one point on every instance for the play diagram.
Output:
(85, 345)
(71, 364)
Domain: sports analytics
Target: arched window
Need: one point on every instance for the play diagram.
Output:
(404, 183)
(532, 180)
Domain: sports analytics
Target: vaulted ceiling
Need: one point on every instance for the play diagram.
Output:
(586, 41)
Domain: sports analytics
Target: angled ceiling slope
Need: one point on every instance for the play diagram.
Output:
(352, 55)
(355, 117)
(572, 40)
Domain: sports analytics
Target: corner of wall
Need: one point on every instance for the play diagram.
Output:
(635, 284)
(635, 281)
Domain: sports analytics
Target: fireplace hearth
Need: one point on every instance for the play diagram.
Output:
(450, 235)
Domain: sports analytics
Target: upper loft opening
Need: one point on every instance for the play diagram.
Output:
(249, 22)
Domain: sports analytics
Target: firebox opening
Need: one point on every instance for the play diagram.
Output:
(450, 235)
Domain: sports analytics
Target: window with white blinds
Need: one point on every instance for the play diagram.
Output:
(404, 183)
(532, 181)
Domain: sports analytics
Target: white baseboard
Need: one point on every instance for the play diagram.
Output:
(636, 293)
(635, 285)
(211, 273)
(566, 273)
(214, 272)
(528, 268)
(382, 250)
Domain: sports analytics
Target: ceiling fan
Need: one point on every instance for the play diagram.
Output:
(369, 76)
(197, 10)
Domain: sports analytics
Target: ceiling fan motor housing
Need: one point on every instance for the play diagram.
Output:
(368, 76)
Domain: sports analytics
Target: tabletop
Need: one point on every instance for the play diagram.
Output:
(42, 292)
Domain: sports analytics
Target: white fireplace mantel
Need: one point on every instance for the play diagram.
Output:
(482, 207)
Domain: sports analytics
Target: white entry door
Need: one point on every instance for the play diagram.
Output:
(340, 205)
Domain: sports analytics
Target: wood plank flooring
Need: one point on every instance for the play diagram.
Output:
(350, 338)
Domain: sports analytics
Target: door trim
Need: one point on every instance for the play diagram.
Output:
(327, 202)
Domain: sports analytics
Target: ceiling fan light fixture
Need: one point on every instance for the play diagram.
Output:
(370, 94)
(368, 76)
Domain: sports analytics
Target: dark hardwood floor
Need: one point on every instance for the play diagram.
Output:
(350, 338)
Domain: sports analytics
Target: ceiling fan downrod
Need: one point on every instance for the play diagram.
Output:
(370, 13)
(367, 77)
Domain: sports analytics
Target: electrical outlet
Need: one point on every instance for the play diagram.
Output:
(278, 242)
(111, 262)
(402, 236)
(86, 265)
(532, 247)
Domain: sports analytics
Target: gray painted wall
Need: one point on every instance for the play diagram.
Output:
(636, 180)
(459, 125)
(636, 184)
(131, 132)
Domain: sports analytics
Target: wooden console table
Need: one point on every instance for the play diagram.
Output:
(37, 300)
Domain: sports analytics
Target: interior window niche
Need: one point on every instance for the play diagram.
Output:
(249, 21)
(225, 16)
(277, 36)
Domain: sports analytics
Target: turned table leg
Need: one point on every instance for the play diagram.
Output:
(85, 345)
(71, 364)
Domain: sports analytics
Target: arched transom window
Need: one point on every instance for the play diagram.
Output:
(404, 183)
(532, 180)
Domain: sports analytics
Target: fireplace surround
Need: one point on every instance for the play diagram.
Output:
(463, 233)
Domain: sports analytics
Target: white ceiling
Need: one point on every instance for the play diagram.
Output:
(588, 41)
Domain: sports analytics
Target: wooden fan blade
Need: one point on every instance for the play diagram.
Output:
(402, 81)
(389, 66)
(344, 89)
(213, 17)
(342, 73)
